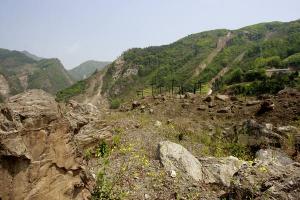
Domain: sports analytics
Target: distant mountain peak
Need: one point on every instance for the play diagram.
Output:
(87, 68)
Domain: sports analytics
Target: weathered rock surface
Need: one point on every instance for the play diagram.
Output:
(208, 170)
(257, 135)
(38, 156)
(175, 157)
(272, 176)
(220, 170)
(222, 97)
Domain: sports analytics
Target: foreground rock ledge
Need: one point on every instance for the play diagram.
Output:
(38, 157)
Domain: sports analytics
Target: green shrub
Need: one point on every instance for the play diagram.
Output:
(76, 89)
(115, 103)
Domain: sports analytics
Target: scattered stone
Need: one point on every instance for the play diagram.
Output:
(185, 105)
(266, 106)
(252, 103)
(269, 126)
(234, 98)
(143, 108)
(157, 123)
(169, 121)
(151, 111)
(285, 129)
(222, 97)
(224, 110)
(135, 104)
(147, 196)
(189, 95)
(211, 104)
(173, 173)
(208, 99)
(202, 108)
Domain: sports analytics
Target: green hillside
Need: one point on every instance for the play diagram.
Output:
(220, 58)
(20, 72)
(86, 69)
(233, 61)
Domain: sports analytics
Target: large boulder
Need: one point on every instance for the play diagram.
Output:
(175, 157)
(38, 156)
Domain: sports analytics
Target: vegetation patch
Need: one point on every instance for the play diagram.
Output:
(76, 89)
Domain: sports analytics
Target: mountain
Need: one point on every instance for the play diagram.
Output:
(18, 72)
(86, 69)
(237, 61)
(30, 55)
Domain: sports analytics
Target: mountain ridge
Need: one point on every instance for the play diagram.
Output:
(85, 69)
(20, 72)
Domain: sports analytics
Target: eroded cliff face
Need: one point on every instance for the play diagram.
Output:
(38, 156)
(4, 87)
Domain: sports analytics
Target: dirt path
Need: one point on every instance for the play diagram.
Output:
(221, 44)
(225, 70)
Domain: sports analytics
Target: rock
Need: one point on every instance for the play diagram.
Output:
(135, 104)
(211, 104)
(189, 95)
(169, 121)
(224, 110)
(234, 98)
(220, 170)
(151, 111)
(266, 106)
(269, 126)
(276, 178)
(252, 103)
(185, 105)
(143, 108)
(157, 123)
(285, 129)
(201, 108)
(257, 135)
(173, 174)
(38, 155)
(209, 92)
(147, 196)
(175, 157)
(208, 99)
(222, 97)
(275, 157)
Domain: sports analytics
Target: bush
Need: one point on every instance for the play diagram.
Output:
(76, 89)
(115, 103)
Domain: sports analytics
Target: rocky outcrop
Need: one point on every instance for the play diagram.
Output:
(220, 170)
(272, 176)
(257, 136)
(38, 156)
(4, 86)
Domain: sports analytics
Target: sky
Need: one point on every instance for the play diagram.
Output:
(79, 30)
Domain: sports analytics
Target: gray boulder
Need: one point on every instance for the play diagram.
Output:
(175, 157)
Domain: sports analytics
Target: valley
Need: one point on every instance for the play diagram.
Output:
(214, 115)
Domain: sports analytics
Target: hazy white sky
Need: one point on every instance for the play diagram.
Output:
(78, 30)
